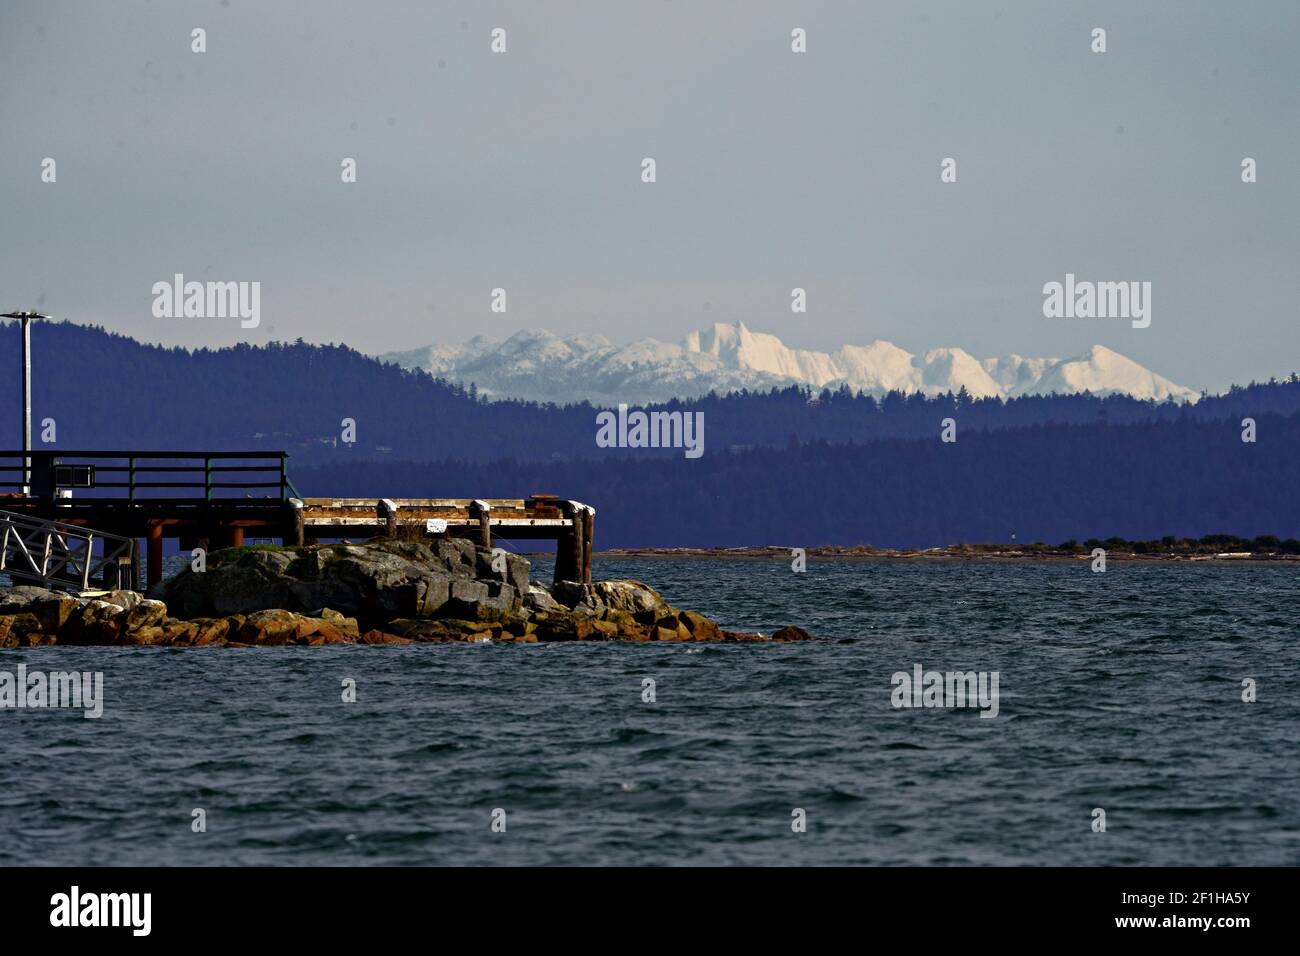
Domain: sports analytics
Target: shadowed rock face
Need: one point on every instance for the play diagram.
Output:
(377, 592)
(375, 582)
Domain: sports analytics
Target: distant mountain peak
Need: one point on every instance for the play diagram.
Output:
(540, 365)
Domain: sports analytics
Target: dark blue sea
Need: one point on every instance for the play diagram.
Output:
(1120, 691)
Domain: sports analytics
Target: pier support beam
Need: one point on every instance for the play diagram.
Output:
(294, 534)
(483, 511)
(388, 514)
(136, 577)
(588, 539)
(578, 540)
(564, 570)
(572, 549)
(155, 556)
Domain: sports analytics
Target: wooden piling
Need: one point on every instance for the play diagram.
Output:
(580, 537)
(294, 534)
(574, 545)
(576, 539)
(387, 511)
(155, 545)
(588, 539)
(136, 576)
(484, 512)
(564, 558)
(565, 570)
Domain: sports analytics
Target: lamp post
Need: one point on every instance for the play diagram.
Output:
(25, 319)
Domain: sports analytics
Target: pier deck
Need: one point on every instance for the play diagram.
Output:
(216, 499)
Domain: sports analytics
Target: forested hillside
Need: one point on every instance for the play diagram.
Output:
(783, 467)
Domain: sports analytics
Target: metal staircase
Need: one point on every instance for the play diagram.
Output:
(63, 556)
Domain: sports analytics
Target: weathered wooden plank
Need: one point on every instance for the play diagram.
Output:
(454, 504)
(372, 521)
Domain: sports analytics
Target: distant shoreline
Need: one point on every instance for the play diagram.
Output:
(951, 553)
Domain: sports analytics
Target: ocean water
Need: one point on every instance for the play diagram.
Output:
(1120, 691)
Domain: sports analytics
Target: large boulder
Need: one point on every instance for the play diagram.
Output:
(374, 582)
(537, 598)
(341, 622)
(126, 600)
(235, 581)
(145, 613)
(442, 630)
(94, 622)
(54, 611)
(503, 566)
(19, 598)
(481, 601)
(275, 627)
(16, 630)
(612, 599)
(700, 627)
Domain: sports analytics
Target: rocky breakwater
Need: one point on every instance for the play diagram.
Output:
(378, 592)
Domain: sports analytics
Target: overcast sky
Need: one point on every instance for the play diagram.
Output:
(522, 170)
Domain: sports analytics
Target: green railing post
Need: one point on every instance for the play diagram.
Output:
(207, 479)
(130, 491)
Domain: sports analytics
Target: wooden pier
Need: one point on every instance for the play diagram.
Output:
(215, 499)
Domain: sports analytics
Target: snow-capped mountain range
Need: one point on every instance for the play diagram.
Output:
(541, 366)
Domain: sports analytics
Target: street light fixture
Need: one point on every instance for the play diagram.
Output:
(25, 318)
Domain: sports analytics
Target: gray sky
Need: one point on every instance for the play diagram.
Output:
(775, 170)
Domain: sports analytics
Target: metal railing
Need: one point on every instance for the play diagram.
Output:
(34, 550)
(147, 475)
